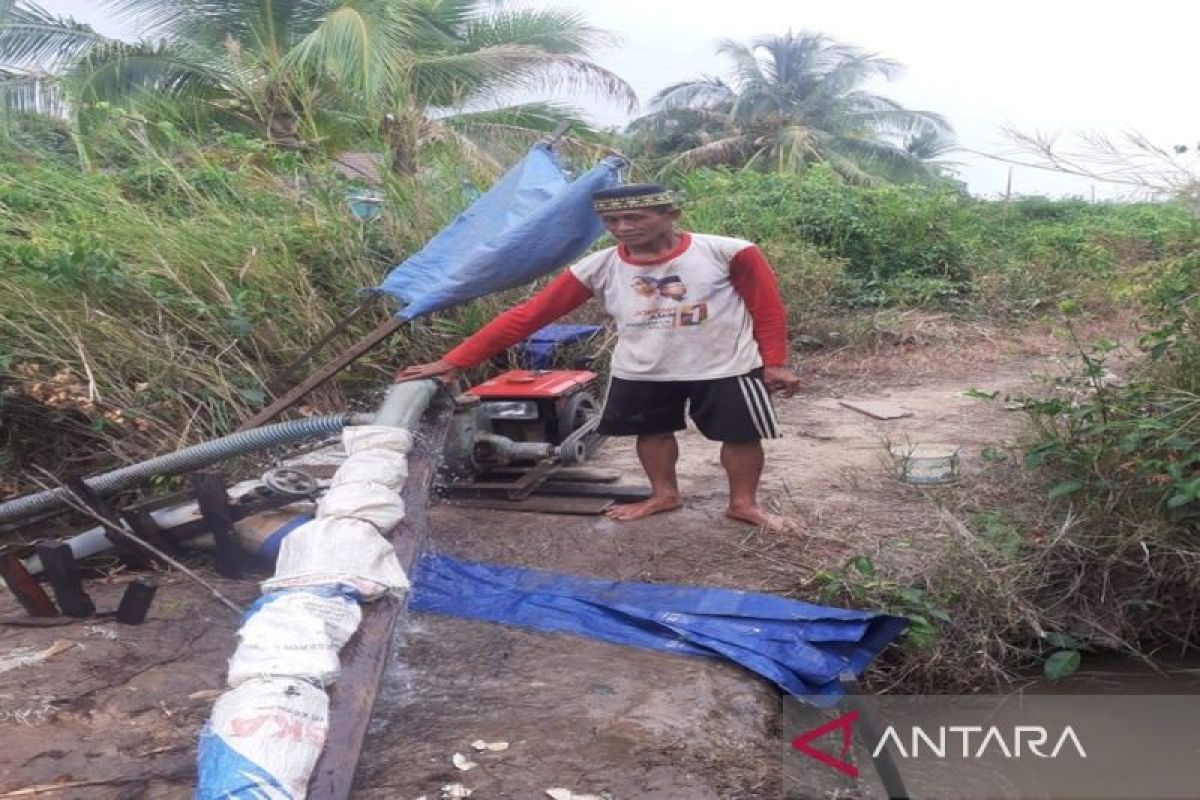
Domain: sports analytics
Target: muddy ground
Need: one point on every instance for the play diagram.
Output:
(121, 706)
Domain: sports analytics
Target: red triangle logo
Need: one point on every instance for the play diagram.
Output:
(845, 723)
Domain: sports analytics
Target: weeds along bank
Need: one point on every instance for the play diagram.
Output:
(152, 299)
(1076, 542)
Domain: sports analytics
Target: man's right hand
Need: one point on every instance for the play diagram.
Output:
(440, 370)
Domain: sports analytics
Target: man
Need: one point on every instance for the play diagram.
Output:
(719, 361)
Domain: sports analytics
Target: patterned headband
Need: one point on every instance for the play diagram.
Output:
(633, 201)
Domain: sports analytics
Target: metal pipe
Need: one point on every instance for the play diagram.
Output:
(403, 406)
(405, 403)
(185, 460)
(95, 540)
(502, 451)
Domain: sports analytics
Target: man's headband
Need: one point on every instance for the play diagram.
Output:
(625, 198)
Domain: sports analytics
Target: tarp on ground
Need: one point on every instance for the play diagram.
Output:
(800, 647)
(531, 222)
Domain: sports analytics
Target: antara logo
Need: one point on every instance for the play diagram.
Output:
(1014, 743)
(844, 723)
(973, 741)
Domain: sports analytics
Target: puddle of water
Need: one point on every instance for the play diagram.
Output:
(1115, 674)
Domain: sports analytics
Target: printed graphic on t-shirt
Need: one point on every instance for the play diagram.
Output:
(672, 288)
(678, 319)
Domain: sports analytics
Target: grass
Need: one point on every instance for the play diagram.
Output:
(152, 302)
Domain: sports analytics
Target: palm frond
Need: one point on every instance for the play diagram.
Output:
(118, 71)
(354, 49)
(881, 158)
(851, 170)
(535, 117)
(901, 122)
(31, 36)
(723, 152)
(679, 120)
(453, 80)
(705, 92)
(747, 71)
(551, 30)
(451, 17)
(151, 18)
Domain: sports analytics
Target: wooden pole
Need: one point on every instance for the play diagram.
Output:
(344, 359)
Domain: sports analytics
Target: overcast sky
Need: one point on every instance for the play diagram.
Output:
(1053, 65)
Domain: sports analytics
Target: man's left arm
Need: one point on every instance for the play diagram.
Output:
(753, 279)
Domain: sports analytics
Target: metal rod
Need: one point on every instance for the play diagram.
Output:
(214, 508)
(64, 579)
(372, 297)
(344, 359)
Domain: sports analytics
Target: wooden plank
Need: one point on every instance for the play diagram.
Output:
(480, 489)
(620, 492)
(575, 474)
(135, 602)
(876, 408)
(25, 588)
(582, 506)
(884, 765)
(366, 655)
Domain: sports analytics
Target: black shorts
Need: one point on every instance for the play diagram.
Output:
(736, 409)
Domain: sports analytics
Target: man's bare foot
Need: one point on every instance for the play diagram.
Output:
(772, 523)
(655, 505)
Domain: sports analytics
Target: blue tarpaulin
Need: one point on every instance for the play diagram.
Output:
(533, 221)
(800, 647)
(538, 350)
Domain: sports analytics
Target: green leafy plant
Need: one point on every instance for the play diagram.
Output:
(859, 583)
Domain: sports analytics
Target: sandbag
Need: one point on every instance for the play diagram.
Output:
(295, 633)
(263, 740)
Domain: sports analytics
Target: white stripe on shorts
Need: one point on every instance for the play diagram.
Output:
(751, 407)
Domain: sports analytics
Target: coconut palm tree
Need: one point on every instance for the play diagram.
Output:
(791, 101)
(296, 69)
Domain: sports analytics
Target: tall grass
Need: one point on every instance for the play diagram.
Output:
(846, 246)
(148, 301)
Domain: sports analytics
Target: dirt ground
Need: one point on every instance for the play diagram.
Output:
(121, 706)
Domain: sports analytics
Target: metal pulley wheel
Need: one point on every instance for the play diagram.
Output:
(576, 412)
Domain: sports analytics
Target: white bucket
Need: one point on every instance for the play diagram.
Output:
(925, 463)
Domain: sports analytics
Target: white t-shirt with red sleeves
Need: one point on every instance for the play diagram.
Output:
(709, 309)
(678, 318)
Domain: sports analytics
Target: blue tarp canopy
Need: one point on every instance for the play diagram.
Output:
(531, 222)
(801, 648)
